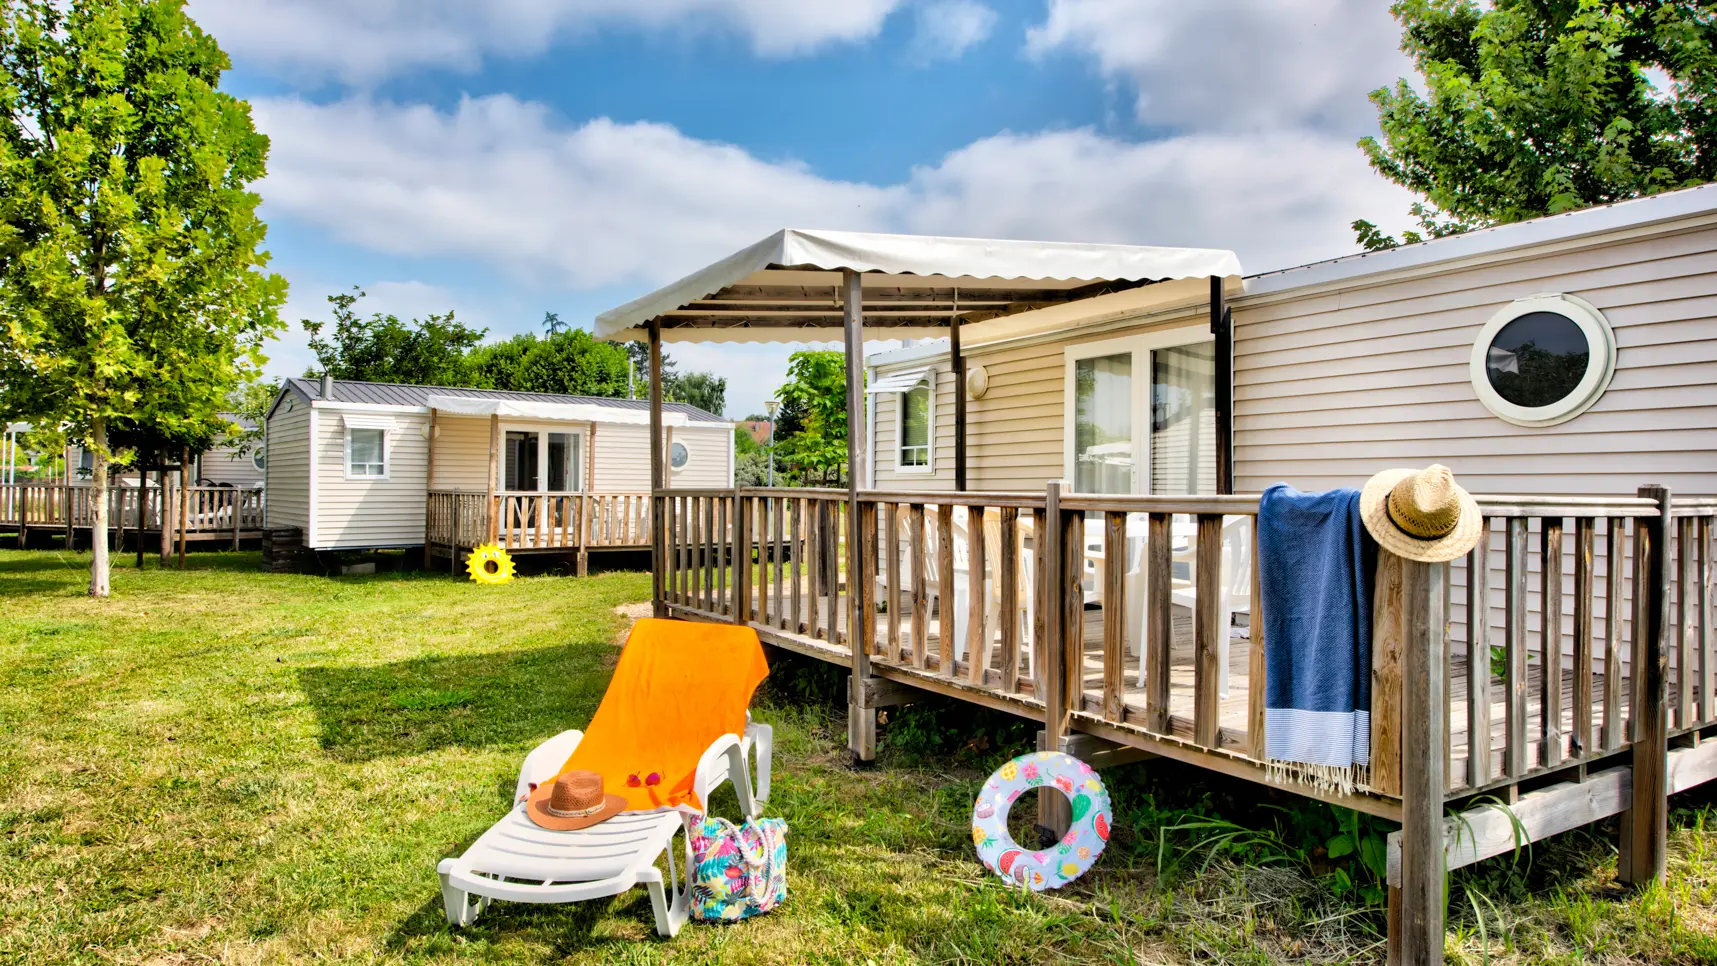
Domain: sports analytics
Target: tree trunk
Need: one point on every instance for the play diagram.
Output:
(98, 570)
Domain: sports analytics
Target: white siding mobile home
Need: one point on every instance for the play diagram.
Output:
(342, 502)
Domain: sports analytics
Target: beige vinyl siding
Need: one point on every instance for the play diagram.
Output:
(888, 475)
(287, 470)
(224, 464)
(622, 453)
(364, 513)
(461, 452)
(1331, 387)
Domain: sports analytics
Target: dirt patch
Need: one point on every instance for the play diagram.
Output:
(633, 613)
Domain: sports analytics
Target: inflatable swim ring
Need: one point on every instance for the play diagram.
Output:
(489, 564)
(1068, 859)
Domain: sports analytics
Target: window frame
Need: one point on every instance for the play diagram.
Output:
(929, 467)
(1139, 345)
(387, 464)
(676, 441)
(1600, 364)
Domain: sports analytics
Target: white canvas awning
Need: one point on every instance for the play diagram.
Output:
(786, 288)
(563, 412)
(902, 381)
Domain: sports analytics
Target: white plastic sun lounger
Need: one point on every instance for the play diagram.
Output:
(519, 861)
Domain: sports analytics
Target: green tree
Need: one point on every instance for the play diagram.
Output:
(811, 435)
(1533, 107)
(381, 348)
(567, 361)
(704, 390)
(552, 323)
(131, 269)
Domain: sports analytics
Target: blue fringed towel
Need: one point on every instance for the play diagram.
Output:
(1315, 563)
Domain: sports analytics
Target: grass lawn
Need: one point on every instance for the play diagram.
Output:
(228, 766)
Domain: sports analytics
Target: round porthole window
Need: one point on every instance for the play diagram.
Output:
(1543, 360)
(259, 459)
(679, 456)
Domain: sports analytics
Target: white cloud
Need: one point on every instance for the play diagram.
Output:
(500, 181)
(362, 41)
(1236, 64)
(946, 29)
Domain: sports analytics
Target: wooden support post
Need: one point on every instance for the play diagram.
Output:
(1478, 660)
(1584, 543)
(1419, 902)
(658, 477)
(494, 477)
(956, 362)
(142, 510)
(1645, 826)
(861, 730)
(946, 622)
(1222, 327)
(1387, 640)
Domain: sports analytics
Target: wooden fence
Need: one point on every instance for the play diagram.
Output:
(1565, 667)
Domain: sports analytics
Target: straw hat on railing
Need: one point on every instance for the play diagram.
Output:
(1421, 514)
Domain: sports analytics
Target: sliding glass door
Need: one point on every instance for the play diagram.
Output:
(1141, 416)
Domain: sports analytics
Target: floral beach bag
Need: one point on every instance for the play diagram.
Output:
(738, 871)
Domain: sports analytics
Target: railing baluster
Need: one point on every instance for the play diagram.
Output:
(742, 558)
(1255, 666)
(795, 550)
(945, 622)
(1615, 548)
(1550, 641)
(977, 635)
(1478, 659)
(1041, 598)
(1007, 574)
(915, 563)
(1159, 620)
(1583, 602)
(1685, 629)
(1207, 711)
(778, 556)
(828, 521)
(1707, 702)
(1514, 644)
(891, 578)
(1114, 616)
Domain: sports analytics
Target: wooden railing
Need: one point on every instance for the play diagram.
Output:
(198, 512)
(1153, 613)
(531, 520)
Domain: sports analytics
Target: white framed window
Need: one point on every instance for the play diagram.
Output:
(259, 459)
(678, 456)
(366, 453)
(1140, 413)
(915, 427)
(1543, 360)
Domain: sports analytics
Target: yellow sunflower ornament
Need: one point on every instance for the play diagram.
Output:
(489, 564)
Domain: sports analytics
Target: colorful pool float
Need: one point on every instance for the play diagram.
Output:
(1068, 859)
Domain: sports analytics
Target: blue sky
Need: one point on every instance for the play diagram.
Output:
(506, 158)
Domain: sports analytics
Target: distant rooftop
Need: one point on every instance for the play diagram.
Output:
(400, 394)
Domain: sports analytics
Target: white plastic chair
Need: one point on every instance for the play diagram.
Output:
(518, 860)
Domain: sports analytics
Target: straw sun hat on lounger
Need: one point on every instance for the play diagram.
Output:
(1421, 514)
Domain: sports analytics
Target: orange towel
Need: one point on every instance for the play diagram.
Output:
(679, 686)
